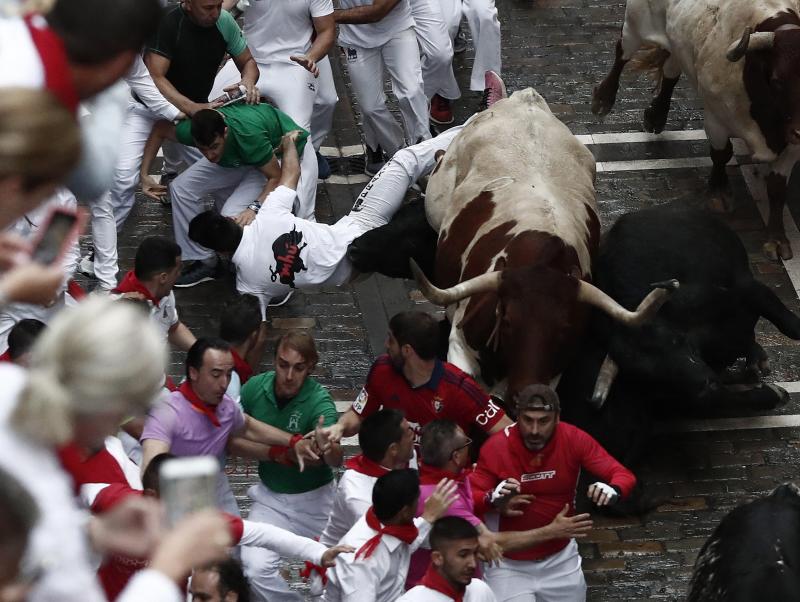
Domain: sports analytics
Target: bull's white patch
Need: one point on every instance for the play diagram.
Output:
(538, 476)
(361, 401)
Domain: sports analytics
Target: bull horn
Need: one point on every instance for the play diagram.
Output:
(761, 40)
(590, 294)
(605, 378)
(444, 297)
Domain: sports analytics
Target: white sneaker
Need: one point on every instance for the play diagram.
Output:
(86, 265)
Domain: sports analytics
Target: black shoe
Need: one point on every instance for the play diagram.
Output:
(460, 43)
(373, 161)
(165, 180)
(195, 272)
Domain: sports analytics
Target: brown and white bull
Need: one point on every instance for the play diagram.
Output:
(513, 201)
(756, 99)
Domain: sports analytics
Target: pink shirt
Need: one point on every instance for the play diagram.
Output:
(462, 507)
(188, 431)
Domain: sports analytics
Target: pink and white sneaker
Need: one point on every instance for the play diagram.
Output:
(494, 89)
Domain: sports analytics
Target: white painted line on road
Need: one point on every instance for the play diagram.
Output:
(656, 164)
(791, 387)
(351, 150)
(353, 179)
(739, 147)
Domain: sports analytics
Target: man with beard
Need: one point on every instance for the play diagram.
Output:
(288, 399)
(412, 379)
(542, 457)
(454, 562)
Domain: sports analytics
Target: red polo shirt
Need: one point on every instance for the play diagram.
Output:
(450, 393)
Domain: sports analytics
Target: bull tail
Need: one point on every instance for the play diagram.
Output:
(768, 305)
(650, 59)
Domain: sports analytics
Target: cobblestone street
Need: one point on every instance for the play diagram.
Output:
(701, 468)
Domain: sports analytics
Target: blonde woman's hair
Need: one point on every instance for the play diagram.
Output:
(99, 356)
(39, 138)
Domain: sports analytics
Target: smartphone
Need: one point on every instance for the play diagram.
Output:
(61, 228)
(231, 97)
(187, 485)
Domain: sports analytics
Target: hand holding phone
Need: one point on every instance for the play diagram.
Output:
(187, 485)
(61, 228)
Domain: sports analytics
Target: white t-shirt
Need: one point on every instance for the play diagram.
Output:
(372, 35)
(351, 501)
(277, 29)
(280, 251)
(477, 591)
(20, 64)
(379, 578)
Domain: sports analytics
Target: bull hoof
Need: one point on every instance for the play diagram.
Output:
(602, 101)
(776, 250)
(781, 396)
(654, 119)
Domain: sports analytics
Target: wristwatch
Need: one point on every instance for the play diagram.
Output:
(254, 206)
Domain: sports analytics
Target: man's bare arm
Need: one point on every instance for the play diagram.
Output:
(162, 130)
(370, 13)
(325, 28)
(249, 71)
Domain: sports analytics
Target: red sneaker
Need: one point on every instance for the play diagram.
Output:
(441, 110)
(494, 90)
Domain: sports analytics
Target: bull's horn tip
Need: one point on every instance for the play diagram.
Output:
(671, 284)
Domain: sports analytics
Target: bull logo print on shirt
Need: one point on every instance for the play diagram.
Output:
(288, 262)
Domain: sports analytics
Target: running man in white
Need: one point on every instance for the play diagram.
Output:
(485, 28)
(439, 81)
(377, 35)
(109, 212)
(290, 40)
(279, 251)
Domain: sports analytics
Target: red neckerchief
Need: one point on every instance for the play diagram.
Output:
(405, 533)
(428, 475)
(433, 580)
(54, 61)
(241, 367)
(364, 465)
(131, 284)
(198, 404)
(6, 357)
(71, 457)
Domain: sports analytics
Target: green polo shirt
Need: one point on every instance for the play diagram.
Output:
(299, 416)
(254, 134)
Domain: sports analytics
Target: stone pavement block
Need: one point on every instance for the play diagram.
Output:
(604, 564)
(689, 489)
(293, 323)
(623, 549)
(724, 473)
(614, 522)
(684, 505)
(600, 535)
(738, 459)
(689, 544)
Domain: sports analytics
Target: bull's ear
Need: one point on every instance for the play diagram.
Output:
(576, 273)
(500, 264)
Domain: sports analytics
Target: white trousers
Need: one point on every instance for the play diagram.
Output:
(138, 123)
(437, 49)
(303, 514)
(308, 100)
(104, 240)
(324, 105)
(233, 189)
(485, 28)
(400, 57)
(558, 578)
